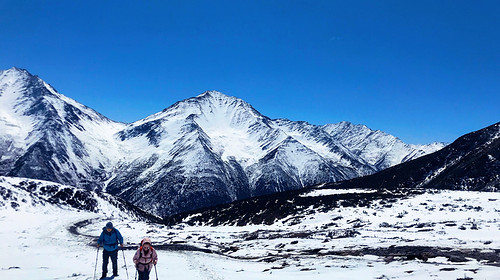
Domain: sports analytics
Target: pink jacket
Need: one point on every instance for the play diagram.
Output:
(145, 260)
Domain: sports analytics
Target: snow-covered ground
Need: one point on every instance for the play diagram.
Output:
(37, 243)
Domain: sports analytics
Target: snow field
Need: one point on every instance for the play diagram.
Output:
(38, 245)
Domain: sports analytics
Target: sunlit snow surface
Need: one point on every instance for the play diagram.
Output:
(324, 192)
(37, 244)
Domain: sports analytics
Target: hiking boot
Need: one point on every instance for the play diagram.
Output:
(103, 276)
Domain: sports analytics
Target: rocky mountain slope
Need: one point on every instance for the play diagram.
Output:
(28, 195)
(469, 164)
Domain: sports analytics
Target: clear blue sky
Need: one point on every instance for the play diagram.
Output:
(421, 70)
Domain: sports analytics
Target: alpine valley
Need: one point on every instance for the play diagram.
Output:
(203, 151)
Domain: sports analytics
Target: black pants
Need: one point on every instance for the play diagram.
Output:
(114, 260)
(143, 275)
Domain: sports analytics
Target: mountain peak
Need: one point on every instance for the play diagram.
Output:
(14, 74)
(212, 93)
(16, 70)
(208, 102)
(217, 96)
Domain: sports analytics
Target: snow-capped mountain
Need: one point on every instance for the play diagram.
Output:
(376, 147)
(470, 163)
(46, 135)
(216, 148)
(213, 149)
(202, 151)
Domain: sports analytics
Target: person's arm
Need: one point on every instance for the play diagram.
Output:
(120, 237)
(155, 257)
(100, 240)
(136, 257)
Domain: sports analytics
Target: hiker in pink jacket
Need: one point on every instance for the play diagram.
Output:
(145, 258)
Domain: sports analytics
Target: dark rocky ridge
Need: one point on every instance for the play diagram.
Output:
(470, 163)
(47, 193)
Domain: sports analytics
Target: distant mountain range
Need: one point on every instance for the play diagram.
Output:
(471, 163)
(202, 151)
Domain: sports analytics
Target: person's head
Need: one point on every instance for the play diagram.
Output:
(146, 243)
(109, 226)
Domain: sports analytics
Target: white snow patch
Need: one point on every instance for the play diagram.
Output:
(325, 192)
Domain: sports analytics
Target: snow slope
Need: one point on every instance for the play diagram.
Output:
(39, 245)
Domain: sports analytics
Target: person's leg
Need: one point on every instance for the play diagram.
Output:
(105, 261)
(114, 260)
(143, 275)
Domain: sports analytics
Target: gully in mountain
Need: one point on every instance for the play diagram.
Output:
(109, 239)
(145, 258)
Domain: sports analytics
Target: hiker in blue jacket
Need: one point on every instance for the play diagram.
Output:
(109, 239)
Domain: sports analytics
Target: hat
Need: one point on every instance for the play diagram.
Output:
(146, 240)
(109, 225)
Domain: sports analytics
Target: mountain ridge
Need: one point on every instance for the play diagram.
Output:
(470, 163)
(201, 151)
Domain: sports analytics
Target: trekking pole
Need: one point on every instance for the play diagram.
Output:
(125, 262)
(156, 273)
(96, 257)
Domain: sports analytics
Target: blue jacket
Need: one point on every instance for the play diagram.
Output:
(110, 240)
